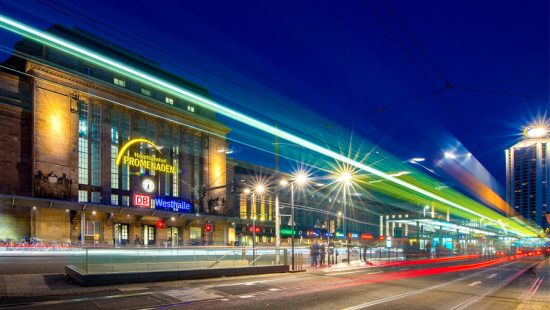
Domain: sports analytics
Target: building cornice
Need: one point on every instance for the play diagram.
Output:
(120, 93)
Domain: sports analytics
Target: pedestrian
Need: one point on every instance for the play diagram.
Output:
(137, 241)
(314, 253)
(331, 253)
(323, 253)
(428, 250)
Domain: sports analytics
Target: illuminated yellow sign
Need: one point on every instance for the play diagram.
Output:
(143, 161)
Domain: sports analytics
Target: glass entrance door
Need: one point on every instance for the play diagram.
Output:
(149, 235)
(121, 234)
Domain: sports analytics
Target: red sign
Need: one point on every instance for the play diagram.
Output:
(142, 201)
(366, 236)
(382, 238)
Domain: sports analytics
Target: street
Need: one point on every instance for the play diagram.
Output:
(457, 284)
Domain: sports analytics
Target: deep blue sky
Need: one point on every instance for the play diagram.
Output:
(338, 59)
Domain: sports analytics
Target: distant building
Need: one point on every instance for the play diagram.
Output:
(527, 173)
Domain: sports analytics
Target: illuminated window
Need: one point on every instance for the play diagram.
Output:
(262, 208)
(126, 201)
(124, 137)
(242, 206)
(114, 149)
(83, 151)
(146, 92)
(114, 200)
(82, 196)
(95, 147)
(195, 233)
(169, 100)
(119, 82)
(191, 108)
(253, 207)
(175, 163)
(96, 197)
(92, 228)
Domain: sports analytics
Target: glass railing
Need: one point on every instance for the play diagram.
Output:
(109, 260)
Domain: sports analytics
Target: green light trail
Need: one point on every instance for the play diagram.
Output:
(110, 64)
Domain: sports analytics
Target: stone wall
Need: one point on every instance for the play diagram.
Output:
(14, 223)
(51, 224)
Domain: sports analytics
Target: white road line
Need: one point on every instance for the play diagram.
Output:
(409, 293)
(246, 296)
(474, 283)
(338, 273)
(491, 276)
(403, 268)
(274, 289)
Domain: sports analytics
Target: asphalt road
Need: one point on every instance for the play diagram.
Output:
(472, 284)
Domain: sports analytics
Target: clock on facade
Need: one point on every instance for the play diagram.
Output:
(148, 185)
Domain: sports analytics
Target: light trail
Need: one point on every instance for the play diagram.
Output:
(110, 64)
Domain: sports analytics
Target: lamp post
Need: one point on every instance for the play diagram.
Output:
(299, 178)
(259, 189)
(345, 178)
(282, 182)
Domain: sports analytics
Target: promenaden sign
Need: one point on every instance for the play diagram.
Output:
(175, 205)
(139, 160)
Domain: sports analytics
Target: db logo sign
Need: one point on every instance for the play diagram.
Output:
(142, 201)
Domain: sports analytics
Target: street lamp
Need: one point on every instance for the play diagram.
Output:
(282, 182)
(258, 189)
(300, 178)
(345, 178)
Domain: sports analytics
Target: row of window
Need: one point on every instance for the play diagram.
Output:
(89, 155)
(147, 92)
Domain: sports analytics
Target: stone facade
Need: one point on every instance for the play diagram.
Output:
(39, 138)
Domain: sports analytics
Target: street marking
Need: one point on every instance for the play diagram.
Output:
(474, 283)
(338, 273)
(246, 296)
(225, 299)
(274, 289)
(403, 268)
(492, 276)
(414, 292)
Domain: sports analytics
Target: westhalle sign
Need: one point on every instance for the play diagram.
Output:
(138, 160)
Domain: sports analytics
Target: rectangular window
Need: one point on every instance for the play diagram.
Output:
(151, 233)
(83, 151)
(95, 149)
(126, 201)
(167, 176)
(176, 163)
(146, 92)
(92, 228)
(191, 108)
(119, 82)
(242, 206)
(262, 208)
(169, 100)
(195, 233)
(253, 207)
(96, 197)
(88, 70)
(82, 196)
(114, 149)
(114, 200)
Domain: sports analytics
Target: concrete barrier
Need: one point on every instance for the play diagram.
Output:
(111, 278)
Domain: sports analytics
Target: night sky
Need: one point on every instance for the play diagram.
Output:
(353, 62)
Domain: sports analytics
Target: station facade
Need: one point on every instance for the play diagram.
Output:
(89, 154)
